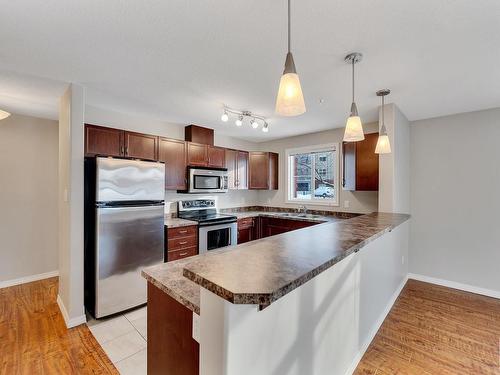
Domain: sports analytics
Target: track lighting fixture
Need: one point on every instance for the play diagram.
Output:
(255, 120)
(224, 116)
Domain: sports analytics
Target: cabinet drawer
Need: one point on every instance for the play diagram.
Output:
(184, 253)
(182, 243)
(182, 232)
(245, 223)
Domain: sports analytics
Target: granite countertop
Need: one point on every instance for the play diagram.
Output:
(175, 222)
(262, 271)
(287, 215)
(169, 278)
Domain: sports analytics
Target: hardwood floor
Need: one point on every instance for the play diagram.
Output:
(430, 330)
(436, 330)
(34, 339)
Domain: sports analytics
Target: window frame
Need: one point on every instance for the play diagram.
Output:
(336, 169)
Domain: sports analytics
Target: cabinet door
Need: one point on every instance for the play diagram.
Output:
(242, 173)
(232, 168)
(349, 165)
(197, 154)
(244, 235)
(141, 146)
(273, 171)
(216, 157)
(258, 170)
(103, 141)
(173, 153)
(367, 164)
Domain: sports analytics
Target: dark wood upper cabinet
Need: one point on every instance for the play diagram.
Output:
(141, 146)
(263, 170)
(237, 169)
(197, 154)
(360, 164)
(103, 141)
(173, 153)
(242, 170)
(216, 157)
(199, 134)
(232, 168)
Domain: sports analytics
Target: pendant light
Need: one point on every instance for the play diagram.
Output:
(383, 144)
(4, 114)
(290, 101)
(354, 128)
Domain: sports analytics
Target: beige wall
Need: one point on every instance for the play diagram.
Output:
(455, 176)
(28, 196)
(358, 201)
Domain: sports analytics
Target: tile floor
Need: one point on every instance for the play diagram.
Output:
(123, 338)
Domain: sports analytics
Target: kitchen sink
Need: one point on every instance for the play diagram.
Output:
(306, 216)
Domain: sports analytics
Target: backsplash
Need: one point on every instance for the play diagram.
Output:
(233, 198)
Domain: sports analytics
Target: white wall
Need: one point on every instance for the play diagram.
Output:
(322, 327)
(455, 173)
(361, 201)
(71, 132)
(28, 196)
(394, 174)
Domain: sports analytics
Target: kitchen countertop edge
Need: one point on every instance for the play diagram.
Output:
(265, 299)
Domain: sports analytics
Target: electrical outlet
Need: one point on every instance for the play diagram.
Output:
(403, 259)
(346, 204)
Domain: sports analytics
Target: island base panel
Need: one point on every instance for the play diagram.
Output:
(171, 347)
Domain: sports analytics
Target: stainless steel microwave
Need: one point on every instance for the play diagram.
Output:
(207, 180)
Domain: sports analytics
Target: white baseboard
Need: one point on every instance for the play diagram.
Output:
(70, 323)
(455, 285)
(28, 279)
(376, 327)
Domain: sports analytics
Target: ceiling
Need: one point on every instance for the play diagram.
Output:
(182, 60)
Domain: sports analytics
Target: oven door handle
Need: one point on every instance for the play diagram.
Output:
(204, 225)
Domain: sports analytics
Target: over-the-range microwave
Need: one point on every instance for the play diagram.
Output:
(207, 180)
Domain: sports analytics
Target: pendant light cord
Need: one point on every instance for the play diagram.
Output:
(353, 80)
(289, 32)
(383, 119)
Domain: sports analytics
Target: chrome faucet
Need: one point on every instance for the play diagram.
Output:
(303, 209)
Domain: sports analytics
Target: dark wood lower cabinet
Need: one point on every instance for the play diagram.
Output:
(171, 347)
(247, 229)
(253, 228)
(270, 226)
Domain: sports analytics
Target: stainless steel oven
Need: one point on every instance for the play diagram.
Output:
(215, 230)
(214, 236)
(207, 180)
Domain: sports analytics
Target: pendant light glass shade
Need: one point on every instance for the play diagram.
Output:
(383, 143)
(4, 114)
(290, 100)
(353, 130)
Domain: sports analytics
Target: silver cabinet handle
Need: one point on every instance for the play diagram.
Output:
(183, 243)
(182, 254)
(183, 231)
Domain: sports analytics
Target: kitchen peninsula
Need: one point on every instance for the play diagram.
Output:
(306, 301)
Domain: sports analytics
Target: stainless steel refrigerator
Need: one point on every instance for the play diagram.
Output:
(124, 231)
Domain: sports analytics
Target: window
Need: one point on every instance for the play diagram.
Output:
(313, 174)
